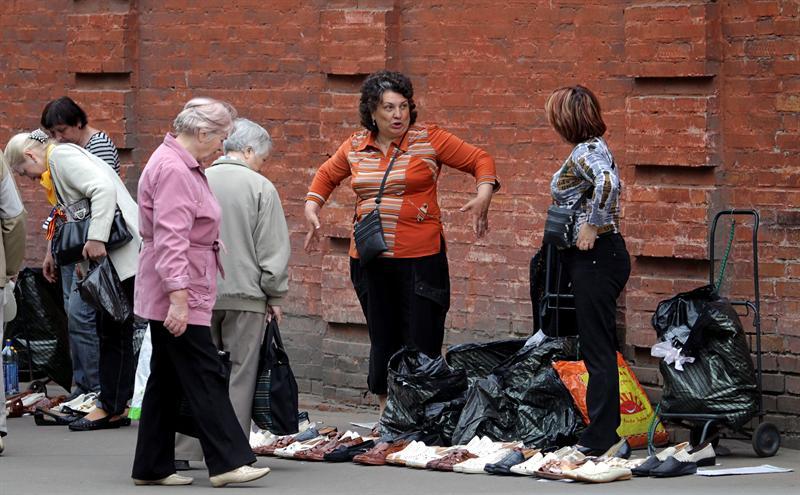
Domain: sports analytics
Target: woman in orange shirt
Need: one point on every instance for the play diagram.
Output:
(405, 292)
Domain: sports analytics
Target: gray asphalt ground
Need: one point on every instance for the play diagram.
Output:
(52, 460)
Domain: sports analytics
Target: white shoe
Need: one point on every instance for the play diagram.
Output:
(241, 474)
(2, 447)
(529, 467)
(171, 480)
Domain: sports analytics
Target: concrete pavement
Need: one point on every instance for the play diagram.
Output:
(52, 460)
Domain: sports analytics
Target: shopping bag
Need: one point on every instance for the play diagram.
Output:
(635, 409)
(142, 374)
(102, 289)
(275, 405)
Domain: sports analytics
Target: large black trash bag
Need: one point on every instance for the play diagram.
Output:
(478, 359)
(722, 379)
(425, 395)
(523, 399)
(40, 329)
(553, 322)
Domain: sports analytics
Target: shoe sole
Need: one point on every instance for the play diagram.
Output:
(160, 483)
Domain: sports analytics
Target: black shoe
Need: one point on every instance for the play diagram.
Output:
(182, 465)
(346, 454)
(504, 466)
(621, 450)
(673, 467)
(644, 468)
(103, 423)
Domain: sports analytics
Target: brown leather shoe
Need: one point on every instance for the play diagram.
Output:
(447, 462)
(377, 455)
(318, 452)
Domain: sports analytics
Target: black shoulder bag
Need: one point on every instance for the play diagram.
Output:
(368, 233)
(560, 223)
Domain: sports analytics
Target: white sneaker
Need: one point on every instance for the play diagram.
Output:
(241, 474)
(171, 480)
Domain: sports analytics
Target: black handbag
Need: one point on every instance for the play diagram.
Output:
(102, 289)
(275, 406)
(368, 232)
(560, 223)
(72, 229)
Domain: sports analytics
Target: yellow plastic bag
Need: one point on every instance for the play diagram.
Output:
(634, 406)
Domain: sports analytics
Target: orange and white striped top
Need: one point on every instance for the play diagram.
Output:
(409, 207)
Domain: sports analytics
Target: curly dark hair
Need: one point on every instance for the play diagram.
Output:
(372, 91)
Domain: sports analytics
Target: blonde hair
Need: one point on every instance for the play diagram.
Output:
(19, 144)
(574, 112)
(204, 114)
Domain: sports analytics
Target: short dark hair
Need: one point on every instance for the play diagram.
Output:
(373, 88)
(63, 111)
(574, 112)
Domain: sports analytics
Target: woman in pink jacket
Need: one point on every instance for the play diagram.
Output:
(176, 289)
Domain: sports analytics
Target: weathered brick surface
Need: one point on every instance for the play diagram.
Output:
(702, 101)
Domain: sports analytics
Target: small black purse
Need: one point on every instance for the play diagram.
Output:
(368, 232)
(72, 230)
(560, 223)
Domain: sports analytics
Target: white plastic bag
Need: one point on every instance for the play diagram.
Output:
(142, 373)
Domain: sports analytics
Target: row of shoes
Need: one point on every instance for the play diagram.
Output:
(28, 402)
(67, 412)
(679, 460)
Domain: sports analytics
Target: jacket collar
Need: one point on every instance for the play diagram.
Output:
(186, 157)
(369, 141)
(226, 160)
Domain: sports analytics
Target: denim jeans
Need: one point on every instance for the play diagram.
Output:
(83, 340)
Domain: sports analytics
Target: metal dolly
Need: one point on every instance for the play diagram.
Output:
(765, 438)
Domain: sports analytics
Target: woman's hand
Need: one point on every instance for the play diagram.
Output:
(49, 267)
(479, 207)
(586, 237)
(178, 313)
(312, 221)
(274, 312)
(94, 250)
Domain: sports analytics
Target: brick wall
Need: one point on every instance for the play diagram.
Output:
(702, 100)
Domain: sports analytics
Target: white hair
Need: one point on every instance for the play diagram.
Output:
(204, 114)
(248, 134)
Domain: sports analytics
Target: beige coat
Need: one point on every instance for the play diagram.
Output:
(78, 174)
(12, 225)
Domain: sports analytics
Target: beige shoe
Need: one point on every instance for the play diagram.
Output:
(2, 447)
(171, 480)
(241, 474)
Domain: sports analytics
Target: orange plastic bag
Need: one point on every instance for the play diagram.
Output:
(634, 406)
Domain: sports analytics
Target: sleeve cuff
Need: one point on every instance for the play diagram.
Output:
(311, 196)
(176, 283)
(489, 180)
(275, 301)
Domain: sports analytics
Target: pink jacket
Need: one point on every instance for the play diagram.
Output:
(179, 223)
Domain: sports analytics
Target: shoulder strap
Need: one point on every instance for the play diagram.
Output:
(386, 175)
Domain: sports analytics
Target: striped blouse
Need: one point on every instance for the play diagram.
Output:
(409, 208)
(590, 166)
(101, 146)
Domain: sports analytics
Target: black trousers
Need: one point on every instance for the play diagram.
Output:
(190, 364)
(598, 276)
(405, 302)
(116, 367)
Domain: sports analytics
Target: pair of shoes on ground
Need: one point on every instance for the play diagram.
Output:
(515, 457)
(241, 474)
(598, 472)
(679, 460)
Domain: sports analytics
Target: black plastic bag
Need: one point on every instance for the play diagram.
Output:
(102, 289)
(424, 394)
(275, 401)
(523, 399)
(40, 329)
(721, 380)
(478, 359)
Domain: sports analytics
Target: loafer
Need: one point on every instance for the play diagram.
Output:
(672, 467)
(686, 461)
(504, 466)
(242, 474)
(654, 461)
(51, 417)
(103, 423)
(449, 460)
(346, 453)
(181, 465)
(621, 449)
(171, 480)
(377, 455)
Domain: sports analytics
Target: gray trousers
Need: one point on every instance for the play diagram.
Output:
(3, 425)
(241, 334)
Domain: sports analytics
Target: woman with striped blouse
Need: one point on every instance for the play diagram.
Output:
(404, 293)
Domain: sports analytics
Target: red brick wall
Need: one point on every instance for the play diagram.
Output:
(702, 100)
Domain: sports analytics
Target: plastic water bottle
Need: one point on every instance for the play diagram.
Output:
(10, 369)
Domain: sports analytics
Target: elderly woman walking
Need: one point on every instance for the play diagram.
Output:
(177, 288)
(256, 237)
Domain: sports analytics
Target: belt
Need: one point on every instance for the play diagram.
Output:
(216, 246)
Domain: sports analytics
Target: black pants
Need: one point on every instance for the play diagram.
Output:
(190, 364)
(116, 367)
(405, 302)
(598, 276)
